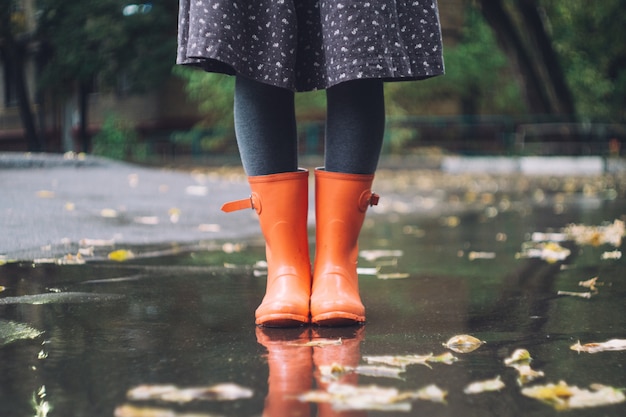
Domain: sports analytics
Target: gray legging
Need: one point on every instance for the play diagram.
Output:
(265, 125)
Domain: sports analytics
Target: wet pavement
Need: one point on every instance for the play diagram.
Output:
(444, 254)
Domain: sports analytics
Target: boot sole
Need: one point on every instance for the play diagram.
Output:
(337, 319)
(282, 320)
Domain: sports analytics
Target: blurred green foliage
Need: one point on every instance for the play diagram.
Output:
(92, 39)
(117, 139)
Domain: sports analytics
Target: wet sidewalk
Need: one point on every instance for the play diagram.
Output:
(444, 254)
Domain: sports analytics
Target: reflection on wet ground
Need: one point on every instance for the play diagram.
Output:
(187, 320)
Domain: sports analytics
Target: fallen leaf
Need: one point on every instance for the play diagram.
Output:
(463, 343)
(70, 259)
(611, 345)
(174, 214)
(611, 255)
(345, 397)
(518, 356)
(45, 194)
(526, 374)
(372, 255)
(150, 220)
(590, 283)
(550, 252)
(563, 397)
(335, 371)
(108, 213)
(171, 393)
(121, 255)
(393, 275)
(575, 294)
(402, 361)
(609, 233)
(318, 343)
(129, 410)
(477, 387)
(480, 255)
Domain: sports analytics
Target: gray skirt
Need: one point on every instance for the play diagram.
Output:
(307, 45)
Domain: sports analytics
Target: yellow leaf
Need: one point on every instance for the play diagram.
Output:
(121, 255)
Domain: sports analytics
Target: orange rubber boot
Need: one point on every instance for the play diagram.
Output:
(281, 201)
(341, 201)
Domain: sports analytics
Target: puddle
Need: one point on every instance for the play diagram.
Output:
(187, 319)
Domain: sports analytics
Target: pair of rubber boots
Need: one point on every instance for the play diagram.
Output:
(294, 296)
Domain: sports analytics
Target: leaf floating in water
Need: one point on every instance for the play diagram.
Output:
(129, 410)
(121, 255)
(379, 371)
(518, 356)
(2, 288)
(372, 255)
(477, 387)
(611, 255)
(11, 331)
(526, 374)
(481, 255)
(591, 284)
(393, 275)
(463, 343)
(611, 345)
(402, 361)
(319, 343)
(345, 397)
(550, 252)
(564, 397)
(575, 294)
(171, 393)
(609, 233)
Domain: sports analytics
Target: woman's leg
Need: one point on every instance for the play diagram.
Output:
(355, 126)
(266, 136)
(265, 125)
(354, 135)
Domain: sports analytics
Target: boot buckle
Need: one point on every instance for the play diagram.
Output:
(368, 198)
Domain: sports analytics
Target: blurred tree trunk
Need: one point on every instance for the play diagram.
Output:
(83, 109)
(541, 76)
(13, 53)
(563, 100)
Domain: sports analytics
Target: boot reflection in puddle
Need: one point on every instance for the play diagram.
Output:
(290, 370)
(347, 354)
(290, 360)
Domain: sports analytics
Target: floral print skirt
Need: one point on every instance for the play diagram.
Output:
(307, 45)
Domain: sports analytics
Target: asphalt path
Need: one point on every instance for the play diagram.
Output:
(50, 205)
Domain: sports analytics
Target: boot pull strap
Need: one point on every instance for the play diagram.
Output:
(251, 202)
(244, 203)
